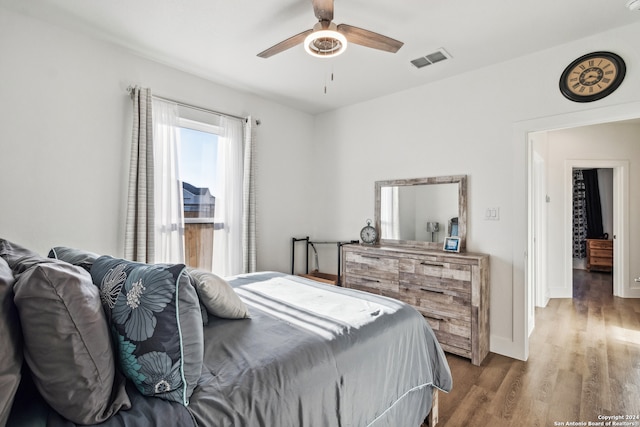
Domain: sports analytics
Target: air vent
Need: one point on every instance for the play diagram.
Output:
(431, 58)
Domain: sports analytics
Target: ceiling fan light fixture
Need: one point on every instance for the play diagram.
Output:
(633, 5)
(325, 43)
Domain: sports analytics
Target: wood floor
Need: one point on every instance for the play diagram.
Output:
(584, 362)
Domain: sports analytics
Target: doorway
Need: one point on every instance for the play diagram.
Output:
(560, 274)
(592, 235)
(619, 221)
(551, 212)
(592, 228)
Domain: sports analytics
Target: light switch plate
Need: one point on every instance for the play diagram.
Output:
(492, 214)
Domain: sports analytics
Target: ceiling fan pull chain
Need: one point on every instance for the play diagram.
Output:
(331, 78)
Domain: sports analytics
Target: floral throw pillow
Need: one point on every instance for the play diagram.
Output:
(156, 322)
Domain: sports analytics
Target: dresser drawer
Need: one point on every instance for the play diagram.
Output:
(453, 335)
(601, 262)
(369, 272)
(438, 304)
(601, 253)
(600, 244)
(435, 275)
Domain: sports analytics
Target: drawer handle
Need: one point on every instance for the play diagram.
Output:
(441, 319)
(432, 290)
(366, 279)
(433, 264)
(370, 256)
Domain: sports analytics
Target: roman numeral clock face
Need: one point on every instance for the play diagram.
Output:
(592, 76)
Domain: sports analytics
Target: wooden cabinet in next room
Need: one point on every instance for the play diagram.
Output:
(599, 255)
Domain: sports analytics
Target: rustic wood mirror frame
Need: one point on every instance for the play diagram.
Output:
(461, 180)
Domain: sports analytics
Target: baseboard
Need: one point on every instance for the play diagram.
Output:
(560, 293)
(506, 347)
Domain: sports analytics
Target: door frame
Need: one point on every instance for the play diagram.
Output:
(538, 292)
(539, 198)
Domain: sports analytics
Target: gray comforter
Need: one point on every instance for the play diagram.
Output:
(311, 355)
(318, 355)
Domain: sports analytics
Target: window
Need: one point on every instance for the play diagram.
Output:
(198, 167)
(199, 174)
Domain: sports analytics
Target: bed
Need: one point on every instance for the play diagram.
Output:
(310, 354)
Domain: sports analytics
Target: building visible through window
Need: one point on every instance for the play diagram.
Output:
(198, 202)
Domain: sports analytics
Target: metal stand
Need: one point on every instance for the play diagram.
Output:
(311, 243)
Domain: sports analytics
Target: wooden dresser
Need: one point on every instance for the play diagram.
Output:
(451, 290)
(599, 254)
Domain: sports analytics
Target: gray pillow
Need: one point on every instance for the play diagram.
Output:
(155, 318)
(73, 256)
(217, 295)
(18, 257)
(67, 343)
(10, 343)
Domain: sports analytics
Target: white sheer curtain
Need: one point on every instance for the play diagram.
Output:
(227, 243)
(169, 211)
(389, 213)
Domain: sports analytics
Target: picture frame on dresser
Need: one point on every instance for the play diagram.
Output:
(451, 244)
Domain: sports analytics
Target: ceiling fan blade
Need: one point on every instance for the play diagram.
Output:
(323, 9)
(369, 38)
(284, 45)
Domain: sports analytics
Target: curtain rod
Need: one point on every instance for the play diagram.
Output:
(194, 107)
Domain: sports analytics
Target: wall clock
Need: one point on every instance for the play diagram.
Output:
(592, 76)
(369, 234)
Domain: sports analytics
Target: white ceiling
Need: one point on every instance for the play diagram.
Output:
(219, 39)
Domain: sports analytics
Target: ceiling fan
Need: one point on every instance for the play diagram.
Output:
(327, 39)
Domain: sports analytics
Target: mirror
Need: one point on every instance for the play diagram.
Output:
(422, 212)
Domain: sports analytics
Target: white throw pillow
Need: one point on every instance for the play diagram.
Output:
(217, 295)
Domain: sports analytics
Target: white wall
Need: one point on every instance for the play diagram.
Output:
(65, 130)
(468, 124)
